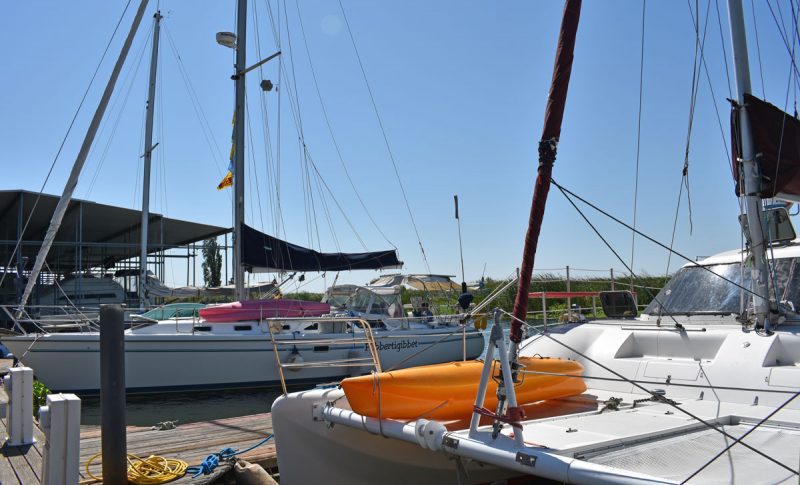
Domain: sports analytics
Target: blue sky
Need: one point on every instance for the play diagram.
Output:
(460, 87)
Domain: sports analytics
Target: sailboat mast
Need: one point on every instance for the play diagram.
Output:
(148, 152)
(77, 167)
(554, 113)
(750, 169)
(238, 154)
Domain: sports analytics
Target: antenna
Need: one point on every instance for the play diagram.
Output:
(460, 247)
(465, 299)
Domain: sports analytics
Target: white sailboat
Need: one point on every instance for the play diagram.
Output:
(187, 353)
(703, 387)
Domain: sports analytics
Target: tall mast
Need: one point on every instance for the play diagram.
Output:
(77, 167)
(148, 152)
(750, 169)
(551, 132)
(238, 154)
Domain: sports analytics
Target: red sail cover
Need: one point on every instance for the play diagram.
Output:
(776, 136)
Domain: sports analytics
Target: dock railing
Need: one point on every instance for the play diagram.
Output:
(544, 287)
(354, 325)
(44, 318)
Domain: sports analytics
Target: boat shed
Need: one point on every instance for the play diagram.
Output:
(93, 237)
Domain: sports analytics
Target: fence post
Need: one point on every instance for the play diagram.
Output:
(569, 299)
(61, 423)
(19, 409)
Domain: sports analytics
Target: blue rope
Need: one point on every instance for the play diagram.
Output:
(212, 461)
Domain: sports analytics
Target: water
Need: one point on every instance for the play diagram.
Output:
(148, 410)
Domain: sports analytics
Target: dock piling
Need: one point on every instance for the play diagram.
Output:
(112, 394)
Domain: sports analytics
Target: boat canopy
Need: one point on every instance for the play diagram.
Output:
(262, 252)
(421, 282)
(381, 300)
(776, 136)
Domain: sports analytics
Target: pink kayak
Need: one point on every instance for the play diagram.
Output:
(257, 309)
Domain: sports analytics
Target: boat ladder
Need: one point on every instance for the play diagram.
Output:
(361, 335)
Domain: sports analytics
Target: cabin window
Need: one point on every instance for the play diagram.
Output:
(243, 328)
(699, 290)
(321, 348)
(203, 329)
(313, 326)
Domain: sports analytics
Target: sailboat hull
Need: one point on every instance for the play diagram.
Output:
(447, 391)
(175, 361)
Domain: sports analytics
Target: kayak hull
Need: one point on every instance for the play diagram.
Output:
(447, 391)
(258, 309)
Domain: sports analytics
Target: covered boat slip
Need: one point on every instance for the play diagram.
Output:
(93, 237)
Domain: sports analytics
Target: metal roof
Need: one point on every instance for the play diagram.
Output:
(91, 235)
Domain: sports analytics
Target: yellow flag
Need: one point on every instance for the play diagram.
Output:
(226, 182)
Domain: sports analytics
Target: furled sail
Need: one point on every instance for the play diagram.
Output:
(262, 252)
(776, 136)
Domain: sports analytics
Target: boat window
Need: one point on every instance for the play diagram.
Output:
(313, 326)
(88, 296)
(203, 329)
(695, 290)
(321, 348)
(243, 327)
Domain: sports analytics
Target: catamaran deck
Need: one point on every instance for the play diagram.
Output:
(661, 440)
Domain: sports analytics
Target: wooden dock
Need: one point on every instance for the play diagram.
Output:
(191, 443)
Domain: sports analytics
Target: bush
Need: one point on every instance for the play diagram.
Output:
(40, 392)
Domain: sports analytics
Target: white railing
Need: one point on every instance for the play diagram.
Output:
(275, 326)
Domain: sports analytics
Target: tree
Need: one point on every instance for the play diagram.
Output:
(212, 263)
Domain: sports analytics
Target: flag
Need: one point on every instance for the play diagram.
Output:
(227, 181)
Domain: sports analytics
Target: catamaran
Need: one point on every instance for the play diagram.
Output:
(702, 387)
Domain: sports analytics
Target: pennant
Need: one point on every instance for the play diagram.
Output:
(227, 181)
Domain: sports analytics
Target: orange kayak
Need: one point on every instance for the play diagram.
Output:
(447, 391)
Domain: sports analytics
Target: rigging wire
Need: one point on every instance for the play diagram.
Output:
(310, 172)
(251, 154)
(330, 130)
(385, 137)
(698, 49)
(205, 126)
(758, 49)
(130, 78)
(567, 193)
(61, 146)
(638, 137)
(268, 158)
(724, 51)
(784, 37)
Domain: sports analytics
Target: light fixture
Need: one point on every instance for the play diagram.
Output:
(227, 39)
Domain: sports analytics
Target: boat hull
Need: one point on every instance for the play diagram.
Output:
(184, 362)
(447, 391)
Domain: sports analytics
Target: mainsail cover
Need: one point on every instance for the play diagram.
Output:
(776, 136)
(262, 252)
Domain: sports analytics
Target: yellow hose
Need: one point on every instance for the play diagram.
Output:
(153, 470)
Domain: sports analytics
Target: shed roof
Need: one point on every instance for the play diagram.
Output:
(96, 234)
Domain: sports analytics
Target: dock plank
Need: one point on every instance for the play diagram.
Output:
(192, 443)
